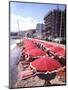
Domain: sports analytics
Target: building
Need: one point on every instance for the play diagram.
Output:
(55, 23)
(40, 27)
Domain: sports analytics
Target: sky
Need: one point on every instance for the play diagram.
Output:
(24, 16)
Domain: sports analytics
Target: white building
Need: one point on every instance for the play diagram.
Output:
(39, 29)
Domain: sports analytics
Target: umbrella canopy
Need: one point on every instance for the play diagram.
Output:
(61, 53)
(37, 41)
(36, 52)
(34, 40)
(29, 45)
(56, 49)
(45, 64)
(47, 45)
(29, 48)
(25, 41)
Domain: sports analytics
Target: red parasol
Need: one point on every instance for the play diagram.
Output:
(56, 49)
(45, 64)
(47, 45)
(34, 40)
(29, 45)
(25, 41)
(29, 48)
(61, 53)
(36, 52)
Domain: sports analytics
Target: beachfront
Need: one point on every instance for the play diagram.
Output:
(24, 73)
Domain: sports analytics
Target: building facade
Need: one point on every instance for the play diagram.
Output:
(55, 23)
(40, 27)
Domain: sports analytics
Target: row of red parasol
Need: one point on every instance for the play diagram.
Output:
(32, 49)
(43, 64)
(57, 50)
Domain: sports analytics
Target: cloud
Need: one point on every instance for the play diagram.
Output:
(21, 23)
